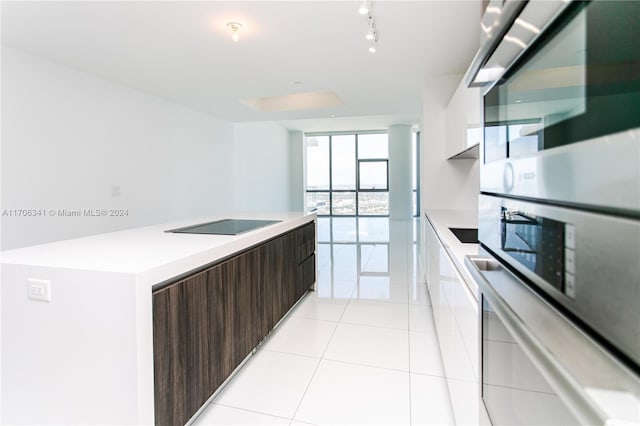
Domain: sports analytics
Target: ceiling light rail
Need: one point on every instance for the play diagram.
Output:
(366, 8)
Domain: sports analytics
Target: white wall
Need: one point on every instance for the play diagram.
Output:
(445, 184)
(296, 171)
(69, 137)
(261, 153)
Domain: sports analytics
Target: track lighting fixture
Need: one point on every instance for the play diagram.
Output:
(372, 33)
(364, 8)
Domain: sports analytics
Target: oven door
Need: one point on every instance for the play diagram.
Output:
(562, 123)
(538, 367)
(585, 262)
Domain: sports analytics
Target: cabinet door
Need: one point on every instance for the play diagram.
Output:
(185, 343)
(240, 314)
(462, 120)
(274, 274)
(204, 326)
(455, 313)
(249, 298)
(290, 271)
(265, 278)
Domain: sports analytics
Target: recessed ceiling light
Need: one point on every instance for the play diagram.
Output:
(297, 83)
(332, 115)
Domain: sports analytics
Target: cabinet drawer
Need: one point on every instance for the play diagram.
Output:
(305, 242)
(304, 250)
(306, 275)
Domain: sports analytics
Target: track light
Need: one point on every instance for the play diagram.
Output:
(364, 9)
(371, 34)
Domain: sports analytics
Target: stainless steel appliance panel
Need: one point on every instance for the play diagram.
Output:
(538, 367)
(516, 393)
(587, 262)
(601, 174)
(530, 19)
(559, 219)
(562, 123)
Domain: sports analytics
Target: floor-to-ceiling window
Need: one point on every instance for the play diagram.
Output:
(348, 174)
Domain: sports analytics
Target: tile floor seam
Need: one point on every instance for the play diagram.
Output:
(424, 332)
(293, 316)
(366, 365)
(376, 326)
(390, 302)
(251, 411)
(373, 326)
(291, 353)
(434, 375)
(318, 365)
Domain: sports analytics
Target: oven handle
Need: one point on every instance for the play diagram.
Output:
(572, 363)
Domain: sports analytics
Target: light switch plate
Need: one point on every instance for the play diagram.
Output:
(39, 289)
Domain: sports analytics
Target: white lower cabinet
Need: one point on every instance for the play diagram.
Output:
(455, 311)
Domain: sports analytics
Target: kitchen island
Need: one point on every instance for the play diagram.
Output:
(117, 300)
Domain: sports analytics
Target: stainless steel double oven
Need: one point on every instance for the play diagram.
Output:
(559, 226)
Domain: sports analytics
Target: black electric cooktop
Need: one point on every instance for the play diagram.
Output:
(466, 235)
(224, 227)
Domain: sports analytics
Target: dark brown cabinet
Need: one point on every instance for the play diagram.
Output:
(204, 325)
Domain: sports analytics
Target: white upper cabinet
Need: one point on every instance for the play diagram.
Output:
(463, 122)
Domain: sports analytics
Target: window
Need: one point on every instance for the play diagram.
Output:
(318, 163)
(373, 146)
(343, 175)
(348, 174)
(373, 175)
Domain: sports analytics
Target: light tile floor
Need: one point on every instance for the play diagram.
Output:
(360, 350)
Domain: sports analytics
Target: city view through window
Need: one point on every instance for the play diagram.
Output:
(348, 175)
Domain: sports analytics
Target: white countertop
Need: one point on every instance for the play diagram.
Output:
(442, 220)
(141, 250)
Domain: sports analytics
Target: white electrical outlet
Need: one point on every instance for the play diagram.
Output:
(39, 289)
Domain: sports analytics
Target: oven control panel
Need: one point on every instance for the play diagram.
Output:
(544, 246)
(570, 260)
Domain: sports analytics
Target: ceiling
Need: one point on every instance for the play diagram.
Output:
(182, 51)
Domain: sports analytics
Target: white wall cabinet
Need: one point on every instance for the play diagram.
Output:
(455, 311)
(462, 120)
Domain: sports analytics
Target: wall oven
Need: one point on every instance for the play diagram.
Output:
(559, 221)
